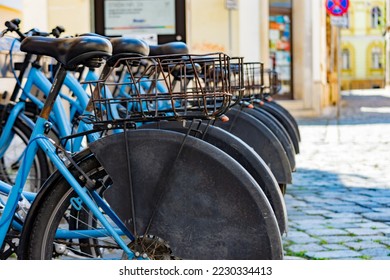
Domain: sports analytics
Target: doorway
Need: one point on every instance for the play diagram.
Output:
(280, 46)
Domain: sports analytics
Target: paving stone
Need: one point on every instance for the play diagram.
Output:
(382, 209)
(306, 248)
(376, 252)
(297, 234)
(339, 239)
(344, 215)
(377, 216)
(326, 231)
(344, 225)
(385, 231)
(369, 204)
(352, 209)
(301, 240)
(358, 246)
(381, 258)
(374, 225)
(337, 254)
(318, 212)
(335, 247)
(372, 238)
(363, 231)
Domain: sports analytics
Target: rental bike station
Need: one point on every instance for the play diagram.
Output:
(159, 154)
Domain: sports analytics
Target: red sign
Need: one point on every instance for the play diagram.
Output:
(337, 7)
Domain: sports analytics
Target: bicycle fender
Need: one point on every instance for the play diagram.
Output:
(271, 123)
(242, 153)
(275, 104)
(262, 140)
(283, 119)
(189, 193)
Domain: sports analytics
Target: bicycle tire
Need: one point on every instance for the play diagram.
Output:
(10, 162)
(240, 224)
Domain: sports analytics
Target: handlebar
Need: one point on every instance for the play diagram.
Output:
(13, 26)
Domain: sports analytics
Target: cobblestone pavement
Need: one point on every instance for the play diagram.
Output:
(339, 203)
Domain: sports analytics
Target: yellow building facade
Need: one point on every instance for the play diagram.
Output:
(363, 45)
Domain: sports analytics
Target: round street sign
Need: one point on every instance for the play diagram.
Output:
(337, 7)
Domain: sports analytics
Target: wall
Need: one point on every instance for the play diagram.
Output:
(74, 15)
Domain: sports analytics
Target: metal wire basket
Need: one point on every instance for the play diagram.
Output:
(272, 85)
(165, 88)
(258, 81)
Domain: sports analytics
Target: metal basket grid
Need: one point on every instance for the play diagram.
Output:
(258, 81)
(165, 87)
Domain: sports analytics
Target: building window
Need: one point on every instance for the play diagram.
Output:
(376, 57)
(376, 15)
(345, 59)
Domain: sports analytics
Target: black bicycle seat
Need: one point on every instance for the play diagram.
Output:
(71, 52)
(127, 47)
(123, 47)
(179, 48)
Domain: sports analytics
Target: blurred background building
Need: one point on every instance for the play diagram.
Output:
(363, 46)
(293, 36)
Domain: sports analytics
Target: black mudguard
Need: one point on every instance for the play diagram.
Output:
(262, 140)
(242, 153)
(275, 104)
(200, 200)
(284, 120)
(273, 124)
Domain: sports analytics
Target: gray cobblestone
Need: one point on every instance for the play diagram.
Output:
(335, 247)
(341, 191)
(377, 216)
(326, 231)
(364, 245)
(376, 252)
(337, 254)
(312, 247)
(363, 231)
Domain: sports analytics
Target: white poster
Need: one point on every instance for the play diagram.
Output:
(123, 17)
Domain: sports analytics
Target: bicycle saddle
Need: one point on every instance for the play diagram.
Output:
(169, 48)
(123, 47)
(71, 52)
(127, 47)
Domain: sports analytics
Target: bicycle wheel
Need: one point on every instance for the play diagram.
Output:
(198, 203)
(10, 162)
